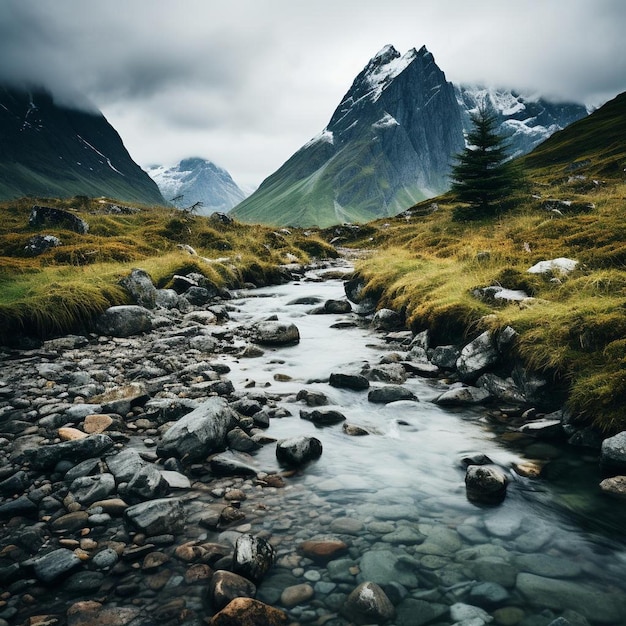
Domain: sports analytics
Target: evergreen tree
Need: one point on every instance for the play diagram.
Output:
(482, 176)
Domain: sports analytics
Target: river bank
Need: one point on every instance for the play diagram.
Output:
(387, 508)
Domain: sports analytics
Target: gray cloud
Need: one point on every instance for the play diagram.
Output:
(249, 82)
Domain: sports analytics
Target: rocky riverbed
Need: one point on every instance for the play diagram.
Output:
(282, 456)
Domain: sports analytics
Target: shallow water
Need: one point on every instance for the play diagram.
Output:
(555, 544)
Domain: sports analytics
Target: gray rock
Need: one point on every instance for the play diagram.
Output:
(477, 356)
(386, 319)
(276, 333)
(166, 299)
(386, 566)
(141, 288)
(45, 457)
(22, 507)
(413, 612)
(354, 288)
(422, 368)
(322, 417)
(466, 613)
(546, 565)
(199, 433)
(337, 307)
(232, 464)
(462, 396)
(390, 393)
(125, 464)
(253, 557)
(312, 398)
(355, 382)
(55, 565)
(614, 486)
(105, 558)
(43, 215)
(386, 373)
(544, 429)
(240, 441)
(613, 454)
(90, 489)
(15, 484)
(485, 484)
(124, 321)
(38, 244)
(489, 595)
(368, 604)
(156, 517)
(503, 389)
(147, 484)
(299, 450)
(445, 357)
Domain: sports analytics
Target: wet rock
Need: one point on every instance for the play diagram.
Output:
(237, 439)
(544, 429)
(323, 550)
(226, 586)
(477, 356)
(386, 566)
(125, 464)
(200, 432)
(386, 373)
(45, 457)
(147, 484)
(15, 484)
(420, 612)
(354, 289)
(546, 565)
(614, 486)
(253, 557)
(503, 389)
(466, 613)
(296, 594)
(485, 484)
(276, 333)
(445, 357)
(140, 287)
(323, 417)
(124, 321)
(386, 319)
(55, 565)
(613, 454)
(368, 604)
(463, 396)
(312, 398)
(356, 382)
(489, 595)
(422, 368)
(156, 517)
(97, 423)
(297, 451)
(231, 464)
(598, 606)
(354, 430)
(337, 307)
(91, 613)
(249, 612)
(89, 489)
(22, 506)
(390, 393)
(199, 296)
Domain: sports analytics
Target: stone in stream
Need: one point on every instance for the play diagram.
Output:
(147, 484)
(386, 319)
(323, 550)
(225, 586)
(477, 356)
(485, 484)
(299, 450)
(156, 517)
(88, 489)
(386, 373)
(124, 321)
(323, 417)
(296, 594)
(312, 398)
(197, 434)
(249, 612)
(614, 486)
(91, 613)
(253, 557)
(390, 393)
(55, 564)
(232, 464)
(613, 454)
(356, 382)
(368, 604)
(45, 457)
(445, 357)
(463, 396)
(273, 333)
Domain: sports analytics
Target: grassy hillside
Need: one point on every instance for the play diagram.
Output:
(66, 286)
(428, 265)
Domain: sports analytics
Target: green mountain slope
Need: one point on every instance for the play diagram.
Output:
(53, 151)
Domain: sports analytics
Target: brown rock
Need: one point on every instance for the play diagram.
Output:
(154, 560)
(113, 506)
(199, 571)
(189, 552)
(296, 594)
(68, 433)
(226, 586)
(159, 580)
(368, 604)
(249, 612)
(615, 486)
(70, 521)
(43, 620)
(90, 613)
(324, 550)
(97, 423)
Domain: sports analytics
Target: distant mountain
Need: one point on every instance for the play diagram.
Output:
(526, 120)
(390, 143)
(387, 146)
(197, 180)
(55, 151)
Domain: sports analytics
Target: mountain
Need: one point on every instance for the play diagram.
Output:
(197, 180)
(525, 120)
(390, 143)
(387, 146)
(55, 151)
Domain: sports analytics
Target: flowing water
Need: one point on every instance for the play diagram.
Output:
(397, 497)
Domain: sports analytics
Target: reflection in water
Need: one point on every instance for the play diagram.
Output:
(551, 546)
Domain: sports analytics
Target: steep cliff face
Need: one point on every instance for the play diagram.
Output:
(525, 120)
(197, 180)
(55, 151)
(387, 146)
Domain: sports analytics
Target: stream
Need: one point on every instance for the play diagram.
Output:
(554, 548)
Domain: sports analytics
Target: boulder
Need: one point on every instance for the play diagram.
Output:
(276, 333)
(386, 319)
(323, 417)
(561, 266)
(613, 454)
(312, 398)
(156, 517)
(485, 484)
(141, 288)
(477, 356)
(225, 586)
(366, 304)
(357, 382)
(337, 307)
(504, 389)
(44, 216)
(614, 486)
(445, 357)
(386, 373)
(38, 244)
(124, 321)
(462, 396)
(390, 393)
(544, 429)
(199, 433)
(299, 450)
(249, 612)
(253, 557)
(45, 457)
(368, 604)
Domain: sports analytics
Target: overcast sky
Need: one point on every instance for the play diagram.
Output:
(245, 83)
